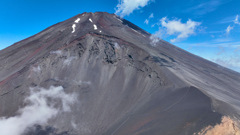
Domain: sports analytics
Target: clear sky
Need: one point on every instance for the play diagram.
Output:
(208, 28)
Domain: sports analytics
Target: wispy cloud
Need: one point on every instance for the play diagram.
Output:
(41, 107)
(204, 8)
(222, 50)
(223, 42)
(237, 49)
(147, 20)
(228, 19)
(236, 20)
(176, 27)
(229, 28)
(126, 7)
(215, 32)
(151, 16)
(230, 62)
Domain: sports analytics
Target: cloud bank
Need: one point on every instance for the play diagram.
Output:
(126, 7)
(176, 27)
(41, 107)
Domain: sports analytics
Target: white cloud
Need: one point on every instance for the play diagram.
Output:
(229, 28)
(156, 37)
(236, 20)
(151, 16)
(147, 20)
(41, 107)
(126, 7)
(176, 27)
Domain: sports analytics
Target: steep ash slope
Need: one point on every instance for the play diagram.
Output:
(99, 75)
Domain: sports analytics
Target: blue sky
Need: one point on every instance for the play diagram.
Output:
(208, 28)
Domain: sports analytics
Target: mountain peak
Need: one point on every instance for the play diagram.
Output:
(96, 73)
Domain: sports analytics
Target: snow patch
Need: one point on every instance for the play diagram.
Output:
(74, 125)
(100, 31)
(90, 19)
(95, 27)
(76, 21)
(137, 32)
(73, 26)
(116, 45)
(69, 60)
(56, 52)
(81, 82)
(37, 69)
(118, 19)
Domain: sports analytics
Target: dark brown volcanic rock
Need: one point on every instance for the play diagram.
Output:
(124, 86)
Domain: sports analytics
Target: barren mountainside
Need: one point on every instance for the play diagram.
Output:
(97, 74)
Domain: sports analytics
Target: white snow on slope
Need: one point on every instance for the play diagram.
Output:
(116, 45)
(56, 52)
(90, 19)
(117, 19)
(135, 31)
(95, 27)
(81, 82)
(73, 26)
(69, 60)
(36, 69)
(76, 21)
(138, 32)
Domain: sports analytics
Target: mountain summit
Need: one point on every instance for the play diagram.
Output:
(98, 74)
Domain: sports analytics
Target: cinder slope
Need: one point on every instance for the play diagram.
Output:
(123, 84)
